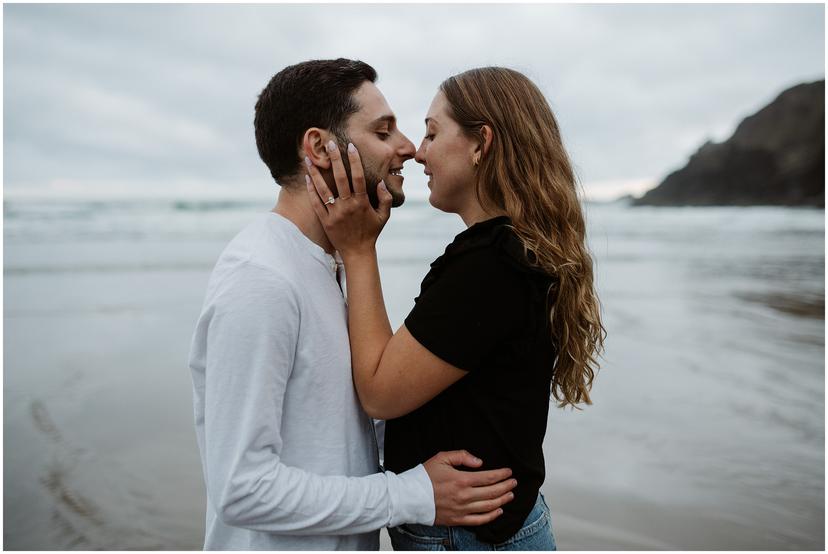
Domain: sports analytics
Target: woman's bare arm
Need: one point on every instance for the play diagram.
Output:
(393, 373)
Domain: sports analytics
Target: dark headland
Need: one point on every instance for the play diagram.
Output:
(776, 157)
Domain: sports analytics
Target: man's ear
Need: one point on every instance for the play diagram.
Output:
(486, 136)
(313, 146)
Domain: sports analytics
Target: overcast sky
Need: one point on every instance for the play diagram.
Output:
(157, 100)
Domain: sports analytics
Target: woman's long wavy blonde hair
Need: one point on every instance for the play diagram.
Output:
(526, 172)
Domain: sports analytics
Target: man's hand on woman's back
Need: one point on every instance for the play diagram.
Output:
(467, 497)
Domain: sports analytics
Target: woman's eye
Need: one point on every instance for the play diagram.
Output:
(383, 135)
(429, 137)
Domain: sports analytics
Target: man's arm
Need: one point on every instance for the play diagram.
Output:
(252, 337)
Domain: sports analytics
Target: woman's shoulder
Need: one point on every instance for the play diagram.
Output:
(494, 242)
(489, 254)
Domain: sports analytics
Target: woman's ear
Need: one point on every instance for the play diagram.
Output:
(313, 146)
(486, 134)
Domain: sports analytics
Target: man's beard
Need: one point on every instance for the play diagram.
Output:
(371, 182)
(372, 179)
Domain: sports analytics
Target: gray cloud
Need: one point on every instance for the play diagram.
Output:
(158, 99)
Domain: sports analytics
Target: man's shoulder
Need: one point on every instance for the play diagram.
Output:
(241, 285)
(254, 260)
(263, 244)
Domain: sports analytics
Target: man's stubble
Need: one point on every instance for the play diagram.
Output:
(372, 179)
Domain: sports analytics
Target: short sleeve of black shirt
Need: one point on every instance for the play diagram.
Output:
(474, 304)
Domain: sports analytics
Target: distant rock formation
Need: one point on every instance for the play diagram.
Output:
(775, 157)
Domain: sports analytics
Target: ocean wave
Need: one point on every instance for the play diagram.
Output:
(107, 268)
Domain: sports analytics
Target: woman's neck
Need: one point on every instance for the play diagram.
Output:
(475, 214)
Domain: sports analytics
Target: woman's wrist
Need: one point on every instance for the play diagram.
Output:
(359, 255)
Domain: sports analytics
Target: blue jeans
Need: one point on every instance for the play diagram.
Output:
(535, 534)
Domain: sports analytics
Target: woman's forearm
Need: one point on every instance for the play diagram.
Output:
(368, 323)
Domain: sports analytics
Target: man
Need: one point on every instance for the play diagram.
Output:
(289, 456)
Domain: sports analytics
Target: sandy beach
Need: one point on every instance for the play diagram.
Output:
(707, 430)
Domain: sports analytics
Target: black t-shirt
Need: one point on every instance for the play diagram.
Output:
(484, 309)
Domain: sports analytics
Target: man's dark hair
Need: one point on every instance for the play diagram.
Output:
(316, 93)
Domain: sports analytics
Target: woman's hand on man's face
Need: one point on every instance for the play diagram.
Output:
(351, 223)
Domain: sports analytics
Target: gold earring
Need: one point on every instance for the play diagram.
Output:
(476, 159)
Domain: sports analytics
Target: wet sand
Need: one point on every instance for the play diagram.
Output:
(99, 447)
(707, 430)
(812, 307)
(586, 520)
(100, 452)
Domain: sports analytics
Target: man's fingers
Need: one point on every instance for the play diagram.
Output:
(338, 167)
(483, 506)
(492, 491)
(357, 174)
(461, 457)
(490, 477)
(478, 519)
(319, 184)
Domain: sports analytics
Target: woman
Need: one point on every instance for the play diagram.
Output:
(507, 314)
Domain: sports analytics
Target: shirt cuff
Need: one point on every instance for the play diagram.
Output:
(412, 497)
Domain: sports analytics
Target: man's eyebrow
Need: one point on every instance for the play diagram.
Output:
(385, 119)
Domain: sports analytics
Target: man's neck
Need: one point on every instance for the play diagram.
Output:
(294, 205)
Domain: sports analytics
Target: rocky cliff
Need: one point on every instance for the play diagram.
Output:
(775, 157)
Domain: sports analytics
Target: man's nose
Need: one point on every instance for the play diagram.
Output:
(407, 149)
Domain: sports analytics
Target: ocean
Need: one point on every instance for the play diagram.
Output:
(707, 427)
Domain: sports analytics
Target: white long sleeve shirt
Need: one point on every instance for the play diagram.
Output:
(289, 456)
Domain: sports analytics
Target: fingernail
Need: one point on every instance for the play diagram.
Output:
(477, 460)
(382, 186)
(307, 180)
(351, 148)
(307, 161)
(514, 481)
(331, 146)
(499, 511)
